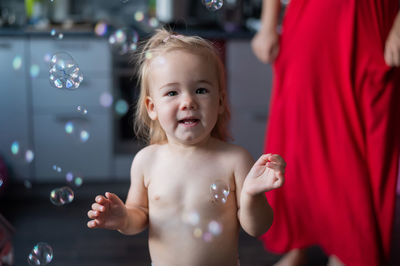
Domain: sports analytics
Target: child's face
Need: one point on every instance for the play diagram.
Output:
(184, 96)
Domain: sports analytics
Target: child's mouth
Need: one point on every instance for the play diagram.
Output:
(189, 121)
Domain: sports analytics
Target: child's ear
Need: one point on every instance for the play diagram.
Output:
(221, 108)
(150, 108)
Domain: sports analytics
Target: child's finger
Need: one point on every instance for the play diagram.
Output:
(114, 198)
(92, 224)
(277, 159)
(276, 167)
(100, 199)
(93, 214)
(98, 207)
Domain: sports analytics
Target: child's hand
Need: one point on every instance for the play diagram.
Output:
(108, 212)
(266, 174)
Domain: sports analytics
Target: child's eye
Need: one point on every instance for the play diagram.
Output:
(172, 93)
(201, 91)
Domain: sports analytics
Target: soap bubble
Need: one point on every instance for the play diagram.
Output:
(84, 135)
(64, 72)
(124, 40)
(100, 29)
(74, 179)
(29, 156)
(121, 107)
(213, 5)
(69, 127)
(15, 147)
(219, 191)
(214, 228)
(60, 36)
(53, 32)
(61, 196)
(34, 70)
(17, 62)
(57, 168)
(27, 184)
(106, 99)
(81, 109)
(139, 16)
(41, 254)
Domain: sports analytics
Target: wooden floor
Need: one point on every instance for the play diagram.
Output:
(64, 228)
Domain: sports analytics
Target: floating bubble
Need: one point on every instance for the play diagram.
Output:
(192, 218)
(15, 147)
(197, 232)
(41, 254)
(124, 40)
(214, 228)
(47, 57)
(81, 109)
(139, 16)
(57, 168)
(29, 156)
(148, 55)
(207, 237)
(72, 179)
(121, 107)
(153, 22)
(100, 29)
(213, 5)
(17, 62)
(106, 99)
(69, 127)
(219, 191)
(34, 70)
(53, 32)
(61, 196)
(64, 72)
(60, 36)
(1, 181)
(84, 135)
(27, 184)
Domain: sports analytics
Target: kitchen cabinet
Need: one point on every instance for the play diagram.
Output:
(249, 87)
(15, 107)
(54, 108)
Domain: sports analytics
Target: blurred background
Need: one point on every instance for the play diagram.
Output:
(63, 141)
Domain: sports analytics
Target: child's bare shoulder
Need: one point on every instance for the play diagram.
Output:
(234, 151)
(145, 155)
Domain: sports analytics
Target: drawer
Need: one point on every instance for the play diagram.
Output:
(88, 93)
(92, 55)
(53, 146)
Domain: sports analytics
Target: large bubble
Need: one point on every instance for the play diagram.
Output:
(124, 40)
(41, 254)
(61, 196)
(213, 5)
(219, 191)
(64, 72)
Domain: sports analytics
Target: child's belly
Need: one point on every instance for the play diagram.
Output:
(194, 233)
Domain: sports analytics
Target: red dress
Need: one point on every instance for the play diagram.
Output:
(335, 119)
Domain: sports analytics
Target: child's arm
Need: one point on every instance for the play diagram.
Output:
(110, 212)
(255, 214)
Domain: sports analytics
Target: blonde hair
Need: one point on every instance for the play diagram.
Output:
(165, 41)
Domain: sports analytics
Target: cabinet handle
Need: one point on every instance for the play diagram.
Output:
(5, 45)
(71, 117)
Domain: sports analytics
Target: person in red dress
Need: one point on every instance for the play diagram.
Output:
(335, 118)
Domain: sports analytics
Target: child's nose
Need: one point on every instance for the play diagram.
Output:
(188, 103)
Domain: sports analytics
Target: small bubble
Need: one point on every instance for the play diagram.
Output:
(53, 32)
(69, 127)
(82, 110)
(106, 99)
(213, 5)
(214, 228)
(100, 29)
(17, 62)
(121, 107)
(84, 135)
(29, 156)
(34, 70)
(27, 184)
(61, 196)
(219, 191)
(15, 148)
(64, 72)
(139, 16)
(41, 254)
(60, 36)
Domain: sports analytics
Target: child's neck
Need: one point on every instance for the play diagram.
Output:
(191, 147)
